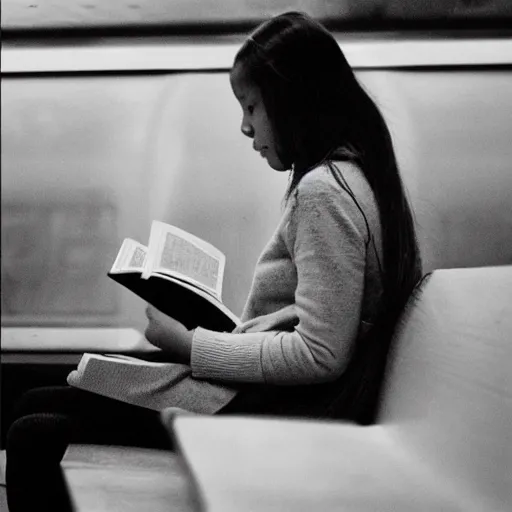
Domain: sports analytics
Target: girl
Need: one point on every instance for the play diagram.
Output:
(327, 289)
(333, 279)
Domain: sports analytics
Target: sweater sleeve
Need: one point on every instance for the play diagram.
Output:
(327, 238)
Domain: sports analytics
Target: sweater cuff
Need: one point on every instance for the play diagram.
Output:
(225, 356)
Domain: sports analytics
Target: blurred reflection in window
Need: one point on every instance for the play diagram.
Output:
(53, 259)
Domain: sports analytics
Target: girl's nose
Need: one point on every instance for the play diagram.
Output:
(247, 129)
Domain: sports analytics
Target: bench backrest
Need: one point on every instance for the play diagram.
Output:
(448, 393)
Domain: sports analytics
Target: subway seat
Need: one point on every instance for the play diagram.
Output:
(443, 440)
(127, 479)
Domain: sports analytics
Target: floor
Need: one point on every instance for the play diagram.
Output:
(3, 496)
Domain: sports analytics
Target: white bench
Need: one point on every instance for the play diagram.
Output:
(443, 441)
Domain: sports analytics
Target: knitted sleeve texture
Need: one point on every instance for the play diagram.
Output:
(326, 238)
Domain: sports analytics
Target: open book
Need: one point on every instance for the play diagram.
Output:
(154, 385)
(179, 274)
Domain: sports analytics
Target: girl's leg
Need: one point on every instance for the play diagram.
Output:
(95, 419)
(35, 446)
(47, 420)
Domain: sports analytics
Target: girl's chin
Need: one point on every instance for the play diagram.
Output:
(275, 163)
(279, 169)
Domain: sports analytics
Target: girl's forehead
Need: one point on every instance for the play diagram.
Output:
(241, 86)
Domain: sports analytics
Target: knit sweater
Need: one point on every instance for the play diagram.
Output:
(321, 260)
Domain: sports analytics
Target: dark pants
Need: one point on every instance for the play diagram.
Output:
(47, 420)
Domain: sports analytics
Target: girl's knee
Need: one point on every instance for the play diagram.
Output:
(35, 447)
(42, 437)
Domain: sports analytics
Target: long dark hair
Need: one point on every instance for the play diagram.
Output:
(321, 114)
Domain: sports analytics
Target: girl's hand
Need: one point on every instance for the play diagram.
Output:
(168, 334)
(283, 319)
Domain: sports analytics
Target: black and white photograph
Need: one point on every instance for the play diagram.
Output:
(256, 256)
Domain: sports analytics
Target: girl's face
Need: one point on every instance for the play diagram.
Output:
(255, 121)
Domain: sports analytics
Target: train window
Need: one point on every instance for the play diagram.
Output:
(101, 135)
(89, 159)
(232, 15)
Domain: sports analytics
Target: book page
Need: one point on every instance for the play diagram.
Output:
(184, 256)
(131, 257)
(119, 358)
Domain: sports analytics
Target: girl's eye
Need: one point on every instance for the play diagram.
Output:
(250, 109)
